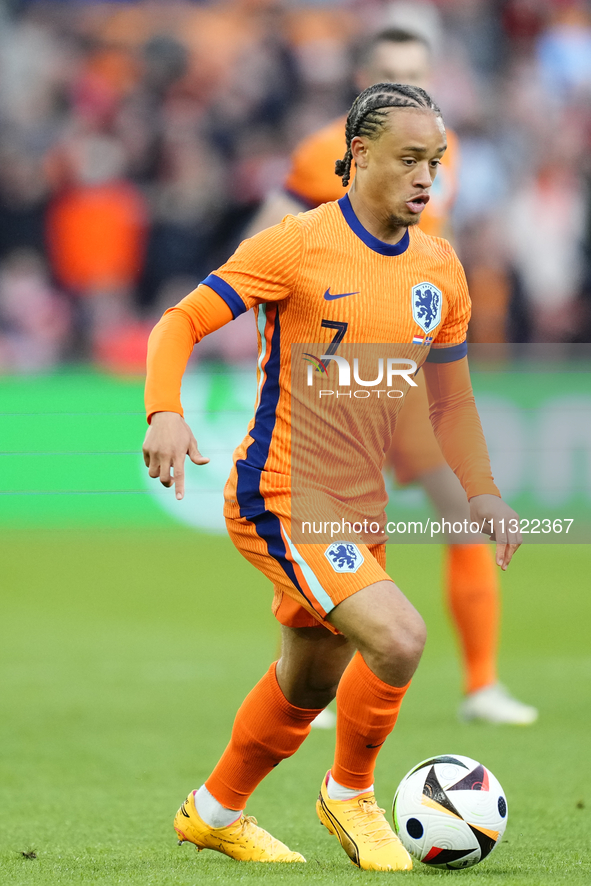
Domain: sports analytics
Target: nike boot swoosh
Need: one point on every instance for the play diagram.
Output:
(329, 297)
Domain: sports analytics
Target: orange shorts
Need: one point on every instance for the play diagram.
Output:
(309, 580)
(414, 450)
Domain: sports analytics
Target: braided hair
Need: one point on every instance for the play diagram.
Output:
(368, 115)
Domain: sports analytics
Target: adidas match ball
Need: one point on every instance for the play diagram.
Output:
(450, 812)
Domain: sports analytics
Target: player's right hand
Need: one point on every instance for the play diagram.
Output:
(168, 440)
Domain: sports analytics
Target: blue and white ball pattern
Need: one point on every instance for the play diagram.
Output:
(450, 811)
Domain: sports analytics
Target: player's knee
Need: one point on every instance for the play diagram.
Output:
(413, 639)
(397, 647)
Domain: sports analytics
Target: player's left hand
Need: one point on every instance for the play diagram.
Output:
(499, 522)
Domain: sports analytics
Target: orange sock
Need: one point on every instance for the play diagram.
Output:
(267, 729)
(473, 596)
(367, 710)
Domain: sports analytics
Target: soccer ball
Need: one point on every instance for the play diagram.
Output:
(450, 812)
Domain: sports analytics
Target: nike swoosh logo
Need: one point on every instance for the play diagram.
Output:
(375, 745)
(331, 297)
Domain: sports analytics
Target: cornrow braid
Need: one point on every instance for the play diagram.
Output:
(368, 115)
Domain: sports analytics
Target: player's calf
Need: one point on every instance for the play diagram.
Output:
(311, 665)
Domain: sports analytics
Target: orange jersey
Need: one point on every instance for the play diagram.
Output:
(312, 178)
(312, 276)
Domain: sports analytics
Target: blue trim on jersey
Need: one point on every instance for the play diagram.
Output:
(448, 355)
(310, 577)
(369, 239)
(299, 198)
(227, 292)
(268, 528)
(249, 468)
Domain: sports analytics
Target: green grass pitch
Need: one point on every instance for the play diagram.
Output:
(124, 655)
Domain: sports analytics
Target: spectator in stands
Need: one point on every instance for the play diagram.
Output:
(35, 320)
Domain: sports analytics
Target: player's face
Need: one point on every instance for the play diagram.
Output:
(396, 63)
(396, 170)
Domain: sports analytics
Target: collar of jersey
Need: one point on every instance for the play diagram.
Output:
(369, 239)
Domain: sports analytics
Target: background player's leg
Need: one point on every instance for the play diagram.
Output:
(473, 596)
(390, 635)
(473, 599)
(275, 718)
(472, 587)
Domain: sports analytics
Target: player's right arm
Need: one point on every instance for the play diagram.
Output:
(169, 438)
(261, 270)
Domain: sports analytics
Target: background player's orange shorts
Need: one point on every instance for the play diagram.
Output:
(414, 450)
(307, 585)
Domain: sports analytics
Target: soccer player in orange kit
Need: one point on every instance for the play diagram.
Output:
(368, 638)
(472, 587)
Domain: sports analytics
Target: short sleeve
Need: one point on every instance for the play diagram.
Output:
(263, 268)
(450, 342)
(311, 178)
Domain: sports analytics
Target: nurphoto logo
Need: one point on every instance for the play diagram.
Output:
(388, 369)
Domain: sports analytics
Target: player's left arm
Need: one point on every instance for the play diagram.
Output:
(457, 426)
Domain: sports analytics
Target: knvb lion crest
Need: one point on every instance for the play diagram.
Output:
(344, 557)
(426, 306)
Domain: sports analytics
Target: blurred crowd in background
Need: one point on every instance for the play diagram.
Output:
(137, 140)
